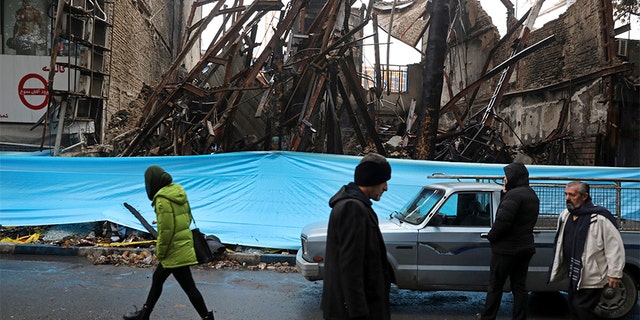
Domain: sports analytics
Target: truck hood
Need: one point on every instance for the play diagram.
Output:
(319, 228)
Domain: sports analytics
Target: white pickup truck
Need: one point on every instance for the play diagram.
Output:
(436, 242)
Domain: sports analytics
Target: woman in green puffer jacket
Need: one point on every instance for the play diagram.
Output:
(174, 248)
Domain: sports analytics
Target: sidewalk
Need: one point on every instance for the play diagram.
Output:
(47, 249)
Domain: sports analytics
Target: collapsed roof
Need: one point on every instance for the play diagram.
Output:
(302, 90)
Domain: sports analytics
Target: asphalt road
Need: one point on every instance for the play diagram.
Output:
(70, 288)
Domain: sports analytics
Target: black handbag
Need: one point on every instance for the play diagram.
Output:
(200, 245)
(203, 252)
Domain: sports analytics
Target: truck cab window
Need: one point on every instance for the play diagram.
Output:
(418, 209)
(466, 209)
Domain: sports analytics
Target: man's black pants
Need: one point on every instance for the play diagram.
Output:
(583, 303)
(514, 267)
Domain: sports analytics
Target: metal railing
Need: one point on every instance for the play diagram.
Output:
(620, 196)
(393, 77)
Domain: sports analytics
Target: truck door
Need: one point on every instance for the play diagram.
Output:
(451, 253)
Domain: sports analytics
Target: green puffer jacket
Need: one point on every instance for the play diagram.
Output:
(175, 242)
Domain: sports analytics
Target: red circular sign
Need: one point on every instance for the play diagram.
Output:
(34, 91)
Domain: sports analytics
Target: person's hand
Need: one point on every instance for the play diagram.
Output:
(614, 282)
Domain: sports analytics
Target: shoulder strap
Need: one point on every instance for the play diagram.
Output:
(191, 215)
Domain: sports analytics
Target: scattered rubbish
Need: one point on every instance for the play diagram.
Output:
(24, 239)
(133, 248)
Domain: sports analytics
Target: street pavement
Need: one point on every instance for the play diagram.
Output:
(71, 287)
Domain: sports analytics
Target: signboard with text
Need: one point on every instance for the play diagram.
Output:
(23, 87)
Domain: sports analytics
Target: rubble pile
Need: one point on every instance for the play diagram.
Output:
(80, 235)
(120, 246)
(145, 259)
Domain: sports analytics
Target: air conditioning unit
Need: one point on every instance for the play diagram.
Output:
(97, 61)
(82, 109)
(83, 59)
(79, 3)
(97, 84)
(101, 33)
(73, 27)
(84, 85)
(86, 108)
(623, 47)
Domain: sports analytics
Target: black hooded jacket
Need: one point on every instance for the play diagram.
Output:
(356, 271)
(512, 230)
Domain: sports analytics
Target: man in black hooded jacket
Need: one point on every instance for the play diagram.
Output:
(512, 244)
(356, 271)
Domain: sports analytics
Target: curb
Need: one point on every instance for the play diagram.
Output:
(45, 249)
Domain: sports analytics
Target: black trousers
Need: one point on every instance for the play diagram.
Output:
(583, 303)
(185, 279)
(515, 268)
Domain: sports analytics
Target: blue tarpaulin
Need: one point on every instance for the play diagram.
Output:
(260, 199)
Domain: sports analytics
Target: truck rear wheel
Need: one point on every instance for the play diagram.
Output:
(617, 302)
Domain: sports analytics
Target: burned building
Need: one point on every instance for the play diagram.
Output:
(565, 94)
(90, 61)
(572, 98)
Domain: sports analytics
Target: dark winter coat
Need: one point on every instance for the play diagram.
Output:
(356, 271)
(512, 231)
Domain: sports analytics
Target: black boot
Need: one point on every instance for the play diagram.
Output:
(209, 316)
(142, 314)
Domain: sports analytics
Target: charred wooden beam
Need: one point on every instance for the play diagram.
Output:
(351, 114)
(334, 138)
(315, 92)
(376, 48)
(283, 27)
(348, 69)
(432, 79)
(259, 8)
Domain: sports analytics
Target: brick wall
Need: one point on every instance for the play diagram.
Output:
(145, 39)
(577, 51)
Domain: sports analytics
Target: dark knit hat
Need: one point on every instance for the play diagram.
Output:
(373, 169)
(155, 178)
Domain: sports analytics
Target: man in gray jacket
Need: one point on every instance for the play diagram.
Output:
(588, 250)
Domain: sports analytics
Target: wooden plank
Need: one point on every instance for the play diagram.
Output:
(142, 220)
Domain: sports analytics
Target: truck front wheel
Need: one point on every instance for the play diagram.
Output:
(616, 303)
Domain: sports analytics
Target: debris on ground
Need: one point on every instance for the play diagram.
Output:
(123, 246)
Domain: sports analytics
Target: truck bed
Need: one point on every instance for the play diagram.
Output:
(623, 201)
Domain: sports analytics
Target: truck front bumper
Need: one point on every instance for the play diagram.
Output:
(309, 270)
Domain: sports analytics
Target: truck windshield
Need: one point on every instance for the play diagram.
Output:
(418, 208)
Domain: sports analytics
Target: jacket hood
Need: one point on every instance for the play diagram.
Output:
(517, 175)
(350, 191)
(173, 192)
(155, 178)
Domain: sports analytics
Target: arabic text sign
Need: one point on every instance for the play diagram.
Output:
(23, 87)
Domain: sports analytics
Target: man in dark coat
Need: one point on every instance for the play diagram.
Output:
(512, 244)
(356, 271)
